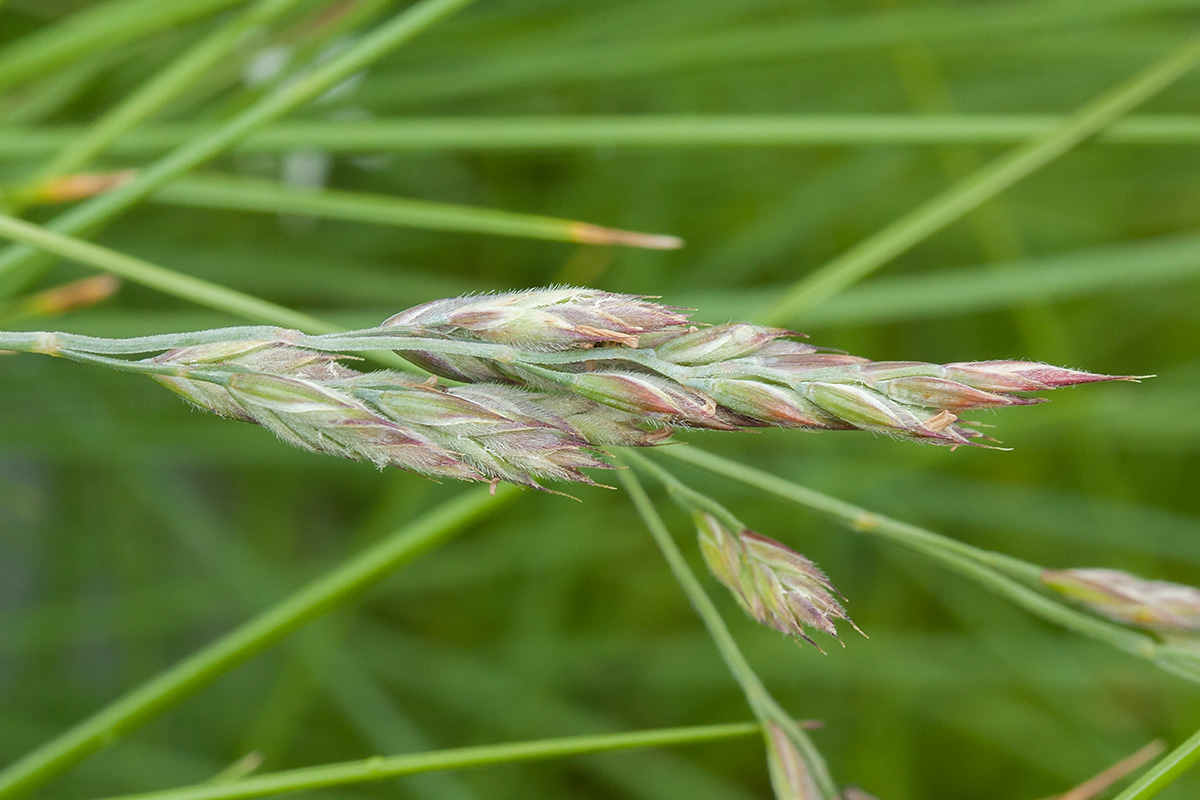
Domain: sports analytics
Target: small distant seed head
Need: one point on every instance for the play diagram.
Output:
(774, 584)
(791, 778)
(1120, 596)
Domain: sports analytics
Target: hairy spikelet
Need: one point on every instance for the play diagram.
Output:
(773, 583)
(556, 318)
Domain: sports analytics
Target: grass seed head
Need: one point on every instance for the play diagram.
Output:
(791, 778)
(482, 432)
(774, 584)
(522, 418)
(1120, 596)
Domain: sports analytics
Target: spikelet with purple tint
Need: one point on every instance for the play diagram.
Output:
(556, 318)
(773, 583)
(1120, 596)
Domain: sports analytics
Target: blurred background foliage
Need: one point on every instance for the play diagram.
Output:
(132, 530)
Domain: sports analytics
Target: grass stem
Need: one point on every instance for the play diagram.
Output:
(382, 768)
(155, 277)
(244, 194)
(764, 706)
(634, 131)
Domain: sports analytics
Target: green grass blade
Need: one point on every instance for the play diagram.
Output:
(482, 689)
(383, 768)
(1165, 772)
(244, 194)
(160, 278)
(631, 131)
(319, 597)
(975, 289)
(160, 89)
(545, 60)
(101, 27)
(934, 215)
(18, 265)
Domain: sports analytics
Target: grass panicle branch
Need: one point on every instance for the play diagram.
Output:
(799, 746)
(1011, 578)
(774, 584)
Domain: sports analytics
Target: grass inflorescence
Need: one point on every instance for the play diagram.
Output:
(1009, 182)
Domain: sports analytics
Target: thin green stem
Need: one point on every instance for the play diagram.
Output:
(1173, 765)
(979, 187)
(243, 194)
(157, 92)
(761, 702)
(689, 497)
(19, 265)
(319, 597)
(852, 516)
(45, 342)
(1008, 577)
(632, 131)
(382, 768)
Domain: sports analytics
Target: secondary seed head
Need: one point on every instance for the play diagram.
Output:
(791, 778)
(773, 583)
(1120, 596)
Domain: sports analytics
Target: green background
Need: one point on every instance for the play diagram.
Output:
(133, 530)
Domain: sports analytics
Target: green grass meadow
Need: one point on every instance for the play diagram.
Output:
(937, 181)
